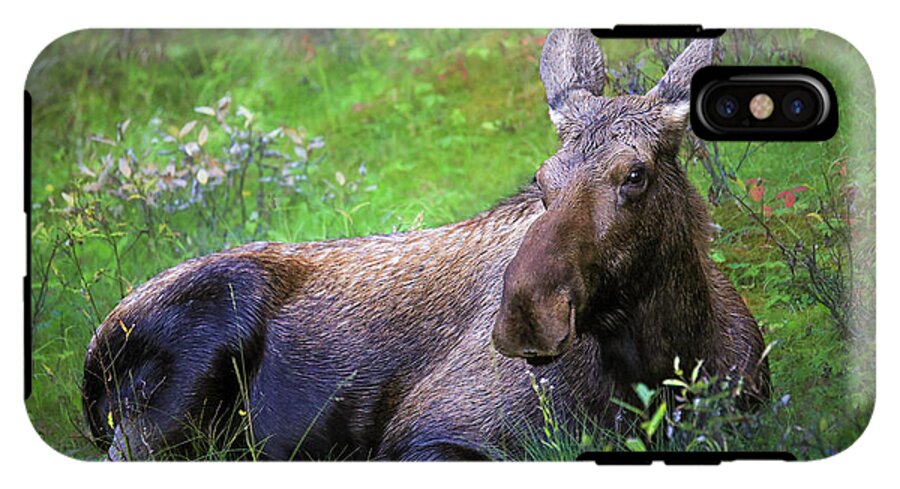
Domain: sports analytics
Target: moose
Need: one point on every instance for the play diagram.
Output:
(424, 345)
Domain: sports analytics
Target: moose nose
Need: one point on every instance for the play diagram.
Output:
(534, 329)
(543, 289)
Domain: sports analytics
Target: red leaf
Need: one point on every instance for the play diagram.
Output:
(801, 188)
(767, 211)
(757, 192)
(843, 166)
(789, 199)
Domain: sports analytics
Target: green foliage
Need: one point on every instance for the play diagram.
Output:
(153, 147)
(692, 412)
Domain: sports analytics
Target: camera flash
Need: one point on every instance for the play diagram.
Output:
(762, 106)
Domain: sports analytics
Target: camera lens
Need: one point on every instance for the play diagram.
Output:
(727, 106)
(799, 106)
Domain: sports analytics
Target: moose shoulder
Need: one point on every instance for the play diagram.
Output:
(422, 345)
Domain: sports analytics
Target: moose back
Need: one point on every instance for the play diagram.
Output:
(424, 345)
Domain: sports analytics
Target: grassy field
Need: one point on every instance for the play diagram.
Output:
(397, 130)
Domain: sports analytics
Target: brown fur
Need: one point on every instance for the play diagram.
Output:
(387, 346)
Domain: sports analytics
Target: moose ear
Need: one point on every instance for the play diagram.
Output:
(571, 69)
(675, 85)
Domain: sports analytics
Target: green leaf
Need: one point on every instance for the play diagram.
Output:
(696, 372)
(717, 256)
(644, 393)
(652, 425)
(635, 445)
(627, 406)
(675, 383)
(586, 439)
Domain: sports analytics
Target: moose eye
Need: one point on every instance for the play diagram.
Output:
(635, 183)
(635, 176)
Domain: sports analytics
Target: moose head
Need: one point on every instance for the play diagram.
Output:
(620, 220)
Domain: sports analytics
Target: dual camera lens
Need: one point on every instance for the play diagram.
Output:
(762, 103)
(796, 106)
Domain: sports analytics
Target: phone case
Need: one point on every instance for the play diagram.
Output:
(441, 245)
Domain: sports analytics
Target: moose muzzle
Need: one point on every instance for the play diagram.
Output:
(542, 294)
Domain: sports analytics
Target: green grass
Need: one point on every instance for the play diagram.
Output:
(446, 123)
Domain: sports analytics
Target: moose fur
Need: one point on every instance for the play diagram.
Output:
(424, 345)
